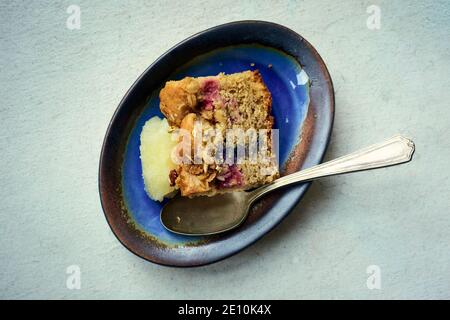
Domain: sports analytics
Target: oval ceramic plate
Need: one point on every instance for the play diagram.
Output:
(303, 110)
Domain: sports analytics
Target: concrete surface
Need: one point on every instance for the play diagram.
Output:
(60, 87)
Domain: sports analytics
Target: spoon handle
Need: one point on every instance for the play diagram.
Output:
(393, 151)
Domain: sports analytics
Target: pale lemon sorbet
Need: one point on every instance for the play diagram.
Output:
(156, 147)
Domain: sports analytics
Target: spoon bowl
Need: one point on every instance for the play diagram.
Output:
(205, 215)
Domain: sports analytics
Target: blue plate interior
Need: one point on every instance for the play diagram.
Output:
(289, 87)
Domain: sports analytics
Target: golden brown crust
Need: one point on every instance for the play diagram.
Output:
(193, 180)
(178, 98)
(267, 97)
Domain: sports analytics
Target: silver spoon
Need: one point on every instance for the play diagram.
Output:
(210, 215)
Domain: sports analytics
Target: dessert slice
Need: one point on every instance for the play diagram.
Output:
(230, 111)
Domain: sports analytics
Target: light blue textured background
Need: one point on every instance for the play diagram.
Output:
(60, 87)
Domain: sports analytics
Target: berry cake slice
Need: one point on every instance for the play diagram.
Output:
(237, 102)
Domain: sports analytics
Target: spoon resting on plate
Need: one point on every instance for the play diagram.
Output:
(211, 215)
